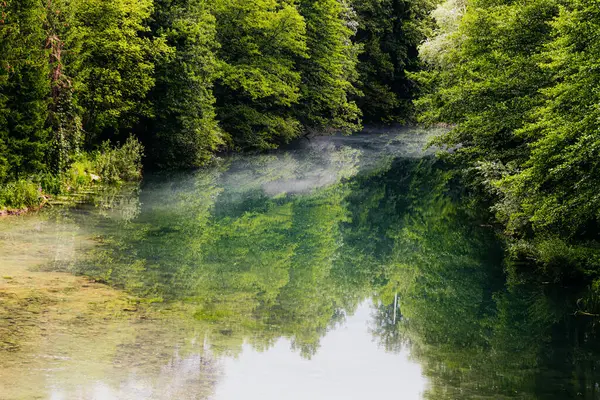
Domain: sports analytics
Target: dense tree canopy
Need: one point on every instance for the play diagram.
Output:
(259, 81)
(329, 70)
(24, 88)
(518, 82)
(389, 32)
(183, 130)
(110, 57)
(556, 189)
(188, 78)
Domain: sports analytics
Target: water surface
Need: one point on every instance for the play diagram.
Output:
(338, 268)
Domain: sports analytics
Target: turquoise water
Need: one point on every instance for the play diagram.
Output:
(337, 268)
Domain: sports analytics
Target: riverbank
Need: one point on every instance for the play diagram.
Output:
(20, 211)
(89, 172)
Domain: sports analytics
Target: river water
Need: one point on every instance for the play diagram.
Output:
(336, 268)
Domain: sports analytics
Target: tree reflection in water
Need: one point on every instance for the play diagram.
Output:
(286, 246)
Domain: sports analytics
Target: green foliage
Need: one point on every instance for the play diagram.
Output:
(188, 78)
(111, 59)
(112, 165)
(259, 42)
(106, 166)
(389, 32)
(329, 71)
(64, 113)
(556, 190)
(490, 81)
(24, 89)
(184, 132)
(20, 194)
(120, 164)
(517, 81)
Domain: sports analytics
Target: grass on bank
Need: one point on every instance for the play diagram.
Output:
(106, 166)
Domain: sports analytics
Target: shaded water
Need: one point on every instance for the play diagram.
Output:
(339, 268)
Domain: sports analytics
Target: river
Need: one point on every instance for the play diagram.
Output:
(335, 268)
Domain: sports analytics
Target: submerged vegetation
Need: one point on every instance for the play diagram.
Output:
(288, 245)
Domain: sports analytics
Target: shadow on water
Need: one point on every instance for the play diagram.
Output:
(247, 266)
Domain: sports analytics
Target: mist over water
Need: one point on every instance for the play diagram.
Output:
(337, 267)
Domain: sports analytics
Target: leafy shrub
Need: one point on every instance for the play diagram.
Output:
(20, 194)
(110, 165)
(122, 164)
(50, 183)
